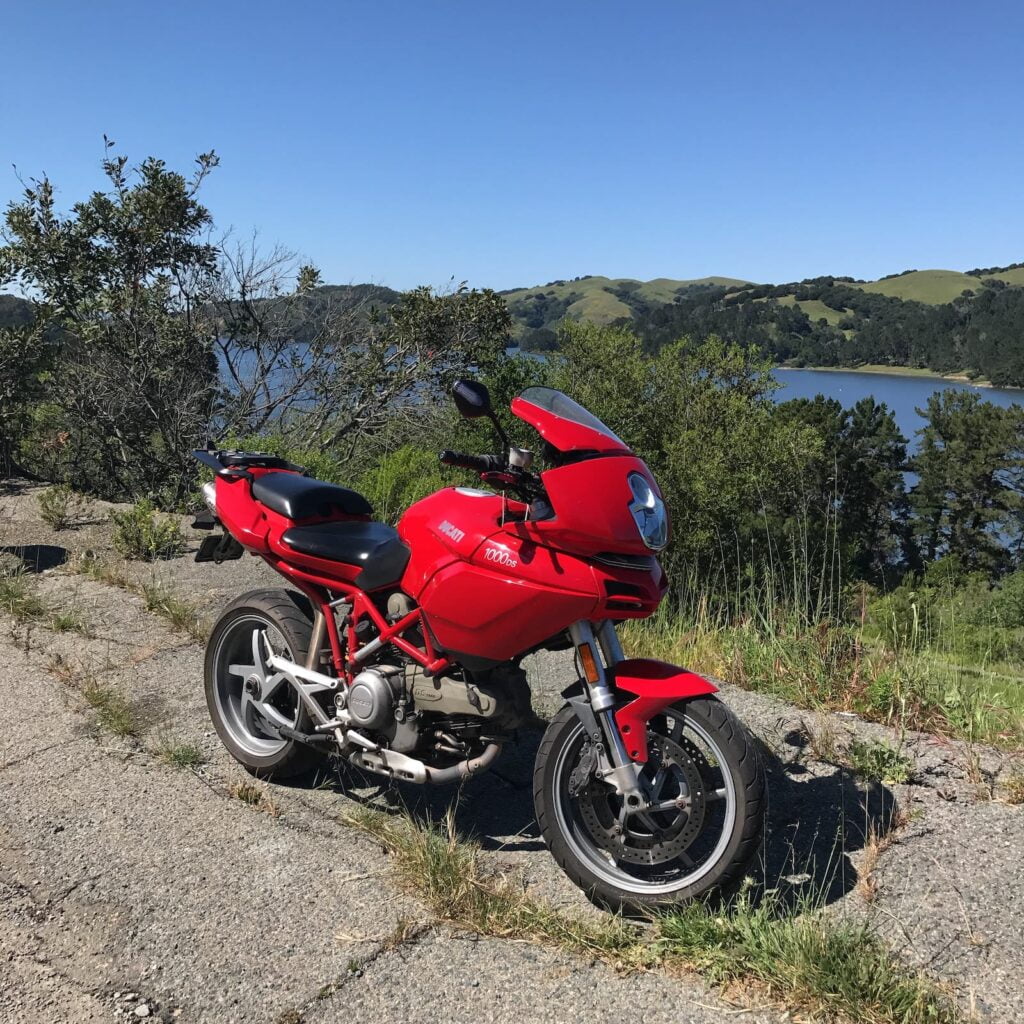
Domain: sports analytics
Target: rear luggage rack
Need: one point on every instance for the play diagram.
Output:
(230, 462)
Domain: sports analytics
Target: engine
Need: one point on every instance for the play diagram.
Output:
(407, 706)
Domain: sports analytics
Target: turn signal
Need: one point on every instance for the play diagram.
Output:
(589, 665)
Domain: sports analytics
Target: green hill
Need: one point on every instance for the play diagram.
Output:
(599, 299)
(932, 286)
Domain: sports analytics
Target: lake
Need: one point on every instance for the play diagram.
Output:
(902, 393)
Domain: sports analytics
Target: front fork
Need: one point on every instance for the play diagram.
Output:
(599, 651)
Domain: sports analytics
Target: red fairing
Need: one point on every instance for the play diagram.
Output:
(656, 685)
(490, 590)
(591, 503)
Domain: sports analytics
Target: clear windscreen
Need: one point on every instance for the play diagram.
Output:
(563, 406)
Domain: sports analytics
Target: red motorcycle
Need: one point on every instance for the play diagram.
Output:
(401, 650)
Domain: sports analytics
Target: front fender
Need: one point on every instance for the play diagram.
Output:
(656, 685)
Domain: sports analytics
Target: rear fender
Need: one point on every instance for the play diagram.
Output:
(656, 685)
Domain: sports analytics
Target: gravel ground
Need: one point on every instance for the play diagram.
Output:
(125, 883)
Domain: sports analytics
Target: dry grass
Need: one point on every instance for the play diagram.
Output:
(114, 712)
(181, 614)
(160, 599)
(179, 754)
(813, 965)
(19, 600)
(1013, 787)
(254, 795)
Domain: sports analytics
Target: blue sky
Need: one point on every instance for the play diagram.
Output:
(515, 143)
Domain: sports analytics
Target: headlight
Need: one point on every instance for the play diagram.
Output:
(648, 512)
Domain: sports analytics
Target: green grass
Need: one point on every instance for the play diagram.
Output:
(930, 286)
(815, 309)
(597, 305)
(929, 684)
(1014, 277)
(179, 754)
(879, 762)
(114, 712)
(19, 600)
(181, 614)
(767, 952)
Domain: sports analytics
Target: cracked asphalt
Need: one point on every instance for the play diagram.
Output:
(133, 890)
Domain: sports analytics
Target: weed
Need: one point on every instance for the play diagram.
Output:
(878, 761)
(114, 712)
(823, 740)
(254, 795)
(1013, 787)
(179, 755)
(69, 620)
(181, 614)
(88, 564)
(142, 534)
(824, 968)
(18, 599)
(62, 507)
(829, 969)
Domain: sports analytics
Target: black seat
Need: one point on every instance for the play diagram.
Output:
(374, 546)
(299, 497)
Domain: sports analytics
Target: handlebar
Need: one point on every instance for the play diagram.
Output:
(479, 463)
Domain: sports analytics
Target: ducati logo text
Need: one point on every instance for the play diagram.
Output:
(451, 531)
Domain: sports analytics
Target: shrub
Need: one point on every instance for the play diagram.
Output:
(140, 533)
(878, 761)
(401, 478)
(61, 506)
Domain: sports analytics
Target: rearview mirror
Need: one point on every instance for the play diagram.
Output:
(471, 399)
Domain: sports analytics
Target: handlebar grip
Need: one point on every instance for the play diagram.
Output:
(479, 463)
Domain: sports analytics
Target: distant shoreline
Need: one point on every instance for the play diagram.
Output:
(902, 371)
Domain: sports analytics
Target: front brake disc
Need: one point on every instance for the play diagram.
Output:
(650, 837)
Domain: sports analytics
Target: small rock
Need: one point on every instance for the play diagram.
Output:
(142, 1010)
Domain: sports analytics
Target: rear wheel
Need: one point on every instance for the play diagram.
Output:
(248, 701)
(704, 781)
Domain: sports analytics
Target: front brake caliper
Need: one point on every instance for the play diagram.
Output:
(584, 771)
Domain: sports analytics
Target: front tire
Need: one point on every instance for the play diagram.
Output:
(704, 770)
(246, 719)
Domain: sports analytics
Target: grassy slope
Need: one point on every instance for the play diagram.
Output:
(931, 286)
(598, 305)
(814, 308)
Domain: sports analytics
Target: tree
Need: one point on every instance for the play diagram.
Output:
(968, 497)
(121, 284)
(336, 369)
(872, 459)
(701, 415)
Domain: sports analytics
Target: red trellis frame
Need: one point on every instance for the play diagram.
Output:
(314, 587)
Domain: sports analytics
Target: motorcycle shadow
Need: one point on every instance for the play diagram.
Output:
(817, 818)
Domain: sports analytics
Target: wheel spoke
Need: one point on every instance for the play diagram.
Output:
(241, 670)
(658, 783)
(257, 653)
(272, 715)
(716, 795)
(270, 686)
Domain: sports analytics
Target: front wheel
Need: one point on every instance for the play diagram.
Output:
(705, 789)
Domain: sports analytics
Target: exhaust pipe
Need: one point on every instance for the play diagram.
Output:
(399, 766)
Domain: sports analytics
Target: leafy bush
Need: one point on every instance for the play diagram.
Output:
(402, 477)
(877, 760)
(61, 506)
(141, 533)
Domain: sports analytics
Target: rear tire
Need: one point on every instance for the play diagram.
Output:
(286, 619)
(710, 765)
